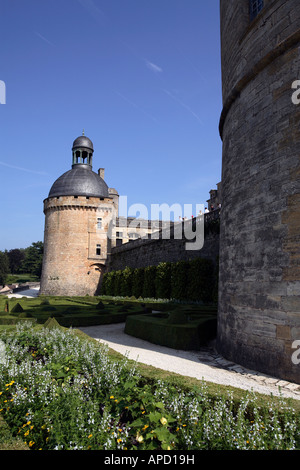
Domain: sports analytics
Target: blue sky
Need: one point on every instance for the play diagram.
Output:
(141, 77)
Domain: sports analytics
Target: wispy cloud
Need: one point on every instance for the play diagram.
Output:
(181, 103)
(43, 38)
(93, 10)
(155, 68)
(132, 103)
(27, 170)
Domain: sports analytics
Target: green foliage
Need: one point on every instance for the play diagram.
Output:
(126, 282)
(174, 329)
(149, 290)
(177, 317)
(179, 272)
(16, 257)
(200, 280)
(108, 283)
(24, 315)
(163, 281)
(33, 260)
(4, 267)
(51, 323)
(117, 282)
(74, 396)
(100, 306)
(138, 282)
(150, 422)
(194, 280)
(17, 308)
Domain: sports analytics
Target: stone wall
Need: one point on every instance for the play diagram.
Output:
(259, 278)
(142, 253)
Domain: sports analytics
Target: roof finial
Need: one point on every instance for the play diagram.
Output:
(83, 132)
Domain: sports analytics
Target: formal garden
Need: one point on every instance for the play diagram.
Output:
(60, 389)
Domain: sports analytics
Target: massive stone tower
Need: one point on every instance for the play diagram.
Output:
(79, 212)
(259, 294)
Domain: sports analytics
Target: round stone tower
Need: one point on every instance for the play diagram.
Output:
(259, 293)
(79, 212)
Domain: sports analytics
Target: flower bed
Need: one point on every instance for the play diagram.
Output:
(59, 391)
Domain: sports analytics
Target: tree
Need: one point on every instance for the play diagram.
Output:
(4, 267)
(16, 257)
(33, 260)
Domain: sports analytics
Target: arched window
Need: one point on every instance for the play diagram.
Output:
(255, 7)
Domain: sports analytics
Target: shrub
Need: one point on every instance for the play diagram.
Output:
(100, 306)
(149, 290)
(179, 272)
(138, 282)
(163, 281)
(108, 284)
(24, 315)
(51, 323)
(17, 308)
(126, 282)
(200, 281)
(47, 308)
(117, 282)
(177, 317)
(194, 280)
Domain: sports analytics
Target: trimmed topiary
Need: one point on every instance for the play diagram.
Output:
(24, 315)
(51, 323)
(17, 308)
(100, 305)
(177, 317)
(48, 308)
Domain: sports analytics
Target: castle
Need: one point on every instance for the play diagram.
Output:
(82, 226)
(259, 242)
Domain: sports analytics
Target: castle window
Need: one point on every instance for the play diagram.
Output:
(99, 223)
(119, 234)
(98, 250)
(255, 7)
(133, 236)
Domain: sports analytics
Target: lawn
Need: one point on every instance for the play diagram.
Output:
(68, 311)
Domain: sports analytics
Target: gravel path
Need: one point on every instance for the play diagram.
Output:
(205, 364)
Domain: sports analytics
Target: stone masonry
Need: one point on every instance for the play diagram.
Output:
(71, 265)
(259, 278)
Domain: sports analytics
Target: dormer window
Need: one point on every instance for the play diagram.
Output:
(255, 7)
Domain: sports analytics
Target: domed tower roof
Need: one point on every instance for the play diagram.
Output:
(80, 180)
(83, 142)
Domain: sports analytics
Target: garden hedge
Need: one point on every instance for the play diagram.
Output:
(156, 329)
(194, 280)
